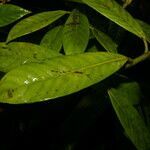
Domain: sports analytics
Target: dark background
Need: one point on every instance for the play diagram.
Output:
(68, 123)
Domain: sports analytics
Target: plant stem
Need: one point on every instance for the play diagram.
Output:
(133, 62)
(146, 45)
(126, 3)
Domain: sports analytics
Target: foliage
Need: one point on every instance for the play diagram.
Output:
(72, 55)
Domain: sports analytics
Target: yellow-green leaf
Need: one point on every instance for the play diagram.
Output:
(57, 77)
(18, 53)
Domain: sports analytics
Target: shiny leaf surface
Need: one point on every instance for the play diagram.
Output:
(57, 77)
(10, 13)
(18, 53)
(34, 23)
(113, 11)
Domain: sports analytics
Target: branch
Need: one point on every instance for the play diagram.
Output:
(132, 62)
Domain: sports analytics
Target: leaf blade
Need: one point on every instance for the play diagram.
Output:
(34, 23)
(38, 82)
(113, 11)
(130, 119)
(53, 39)
(10, 13)
(146, 29)
(76, 33)
(19, 53)
(105, 41)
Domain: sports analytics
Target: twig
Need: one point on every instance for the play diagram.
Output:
(132, 62)
(146, 45)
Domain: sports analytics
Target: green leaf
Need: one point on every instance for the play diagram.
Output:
(105, 41)
(131, 91)
(53, 39)
(76, 33)
(34, 23)
(146, 29)
(113, 11)
(10, 13)
(58, 77)
(129, 117)
(18, 53)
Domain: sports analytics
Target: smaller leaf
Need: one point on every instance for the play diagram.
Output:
(131, 91)
(10, 13)
(53, 39)
(113, 11)
(76, 33)
(129, 117)
(105, 41)
(34, 23)
(18, 53)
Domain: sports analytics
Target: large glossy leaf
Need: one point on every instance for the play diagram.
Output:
(76, 33)
(34, 23)
(129, 117)
(53, 39)
(105, 41)
(10, 13)
(58, 77)
(113, 11)
(18, 53)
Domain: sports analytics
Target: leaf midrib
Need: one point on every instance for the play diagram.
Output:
(74, 71)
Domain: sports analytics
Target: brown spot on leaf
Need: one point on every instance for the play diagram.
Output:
(78, 72)
(54, 71)
(35, 55)
(10, 93)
